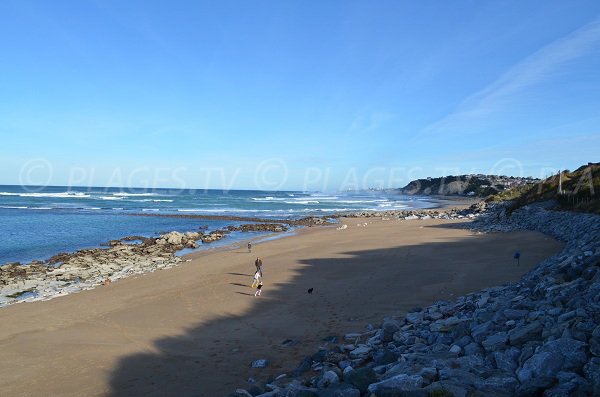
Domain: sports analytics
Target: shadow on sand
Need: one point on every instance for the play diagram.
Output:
(349, 292)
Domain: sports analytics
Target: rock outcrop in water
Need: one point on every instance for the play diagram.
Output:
(539, 336)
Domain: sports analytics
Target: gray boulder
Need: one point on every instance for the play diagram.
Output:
(495, 342)
(384, 356)
(481, 331)
(261, 363)
(398, 382)
(534, 387)
(592, 374)
(473, 348)
(388, 329)
(572, 351)
(339, 390)
(544, 364)
(328, 378)
(521, 335)
(507, 360)
(361, 378)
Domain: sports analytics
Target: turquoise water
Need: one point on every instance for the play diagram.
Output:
(37, 222)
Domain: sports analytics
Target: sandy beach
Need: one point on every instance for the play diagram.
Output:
(195, 329)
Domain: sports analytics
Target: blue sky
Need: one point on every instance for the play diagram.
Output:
(295, 94)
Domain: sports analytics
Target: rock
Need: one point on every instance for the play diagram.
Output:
(504, 385)
(339, 390)
(545, 364)
(514, 314)
(261, 363)
(242, 392)
(388, 329)
(447, 389)
(398, 382)
(174, 238)
(595, 346)
(521, 335)
(414, 317)
(495, 342)
(592, 374)
(481, 331)
(429, 374)
(455, 349)
(328, 378)
(303, 367)
(360, 352)
(460, 376)
(361, 378)
(534, 386)
(333, 357)
(473, 348)
(507, 360)
(482, 301)
(569, 383)
(571, 350)
(384, 356)
(352, 336)
(239, 393)
(298, 390)
(567, 316)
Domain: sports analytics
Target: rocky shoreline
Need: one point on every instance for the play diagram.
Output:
(85, 269)
(539, 336)
(65, 273)
(470, 212)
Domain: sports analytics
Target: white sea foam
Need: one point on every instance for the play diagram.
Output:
(361, 201)
(224, 210)
(323, 197)
(150, 209)
(14, 207)
(302, 202)
(111, 198)
(268, 198)
(152, 201)
(328, 209)
(53, 195)
(121, 194)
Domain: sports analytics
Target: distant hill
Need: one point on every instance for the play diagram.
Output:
(578, 190)
(475, 185)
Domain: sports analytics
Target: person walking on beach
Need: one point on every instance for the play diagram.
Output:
(257, 278)
(249, 247)
(258, 289)
(258, 264)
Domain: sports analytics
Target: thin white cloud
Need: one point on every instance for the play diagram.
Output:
(538, 67)
(370, 122)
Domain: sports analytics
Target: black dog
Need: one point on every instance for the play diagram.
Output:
(310, 290)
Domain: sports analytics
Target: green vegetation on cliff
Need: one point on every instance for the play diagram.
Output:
(578, 190)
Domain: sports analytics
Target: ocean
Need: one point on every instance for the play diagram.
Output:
(38, 222)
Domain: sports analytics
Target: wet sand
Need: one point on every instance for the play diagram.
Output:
(195, 329)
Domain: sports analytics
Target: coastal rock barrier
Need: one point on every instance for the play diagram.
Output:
(471, 212)
(65, 273)
(537, 337)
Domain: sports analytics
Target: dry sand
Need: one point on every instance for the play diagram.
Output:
(195, 329)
